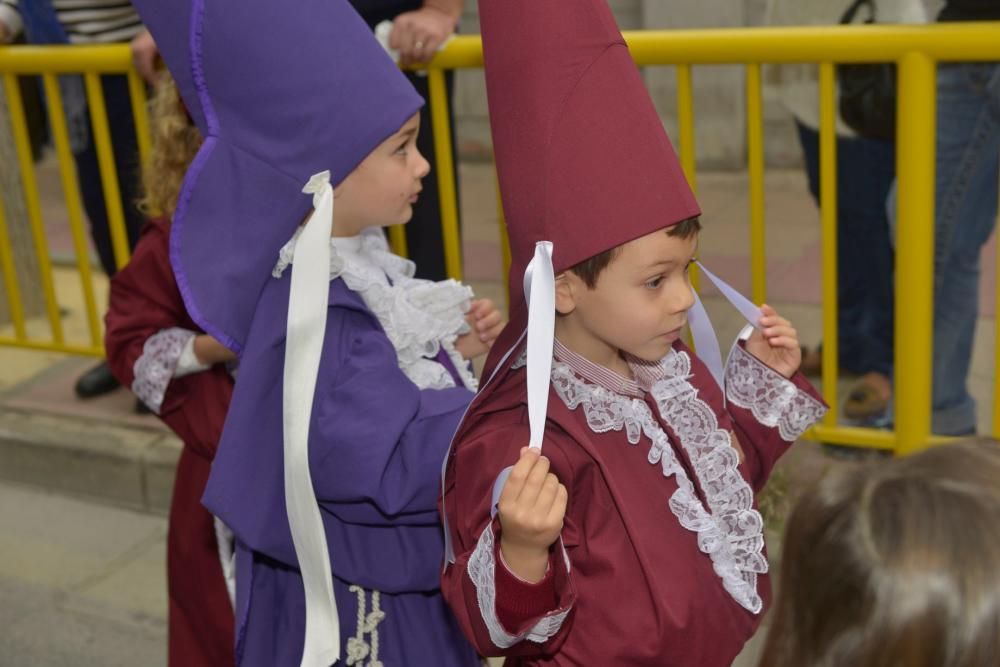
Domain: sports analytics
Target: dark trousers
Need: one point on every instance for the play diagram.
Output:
(865, 171)
(424, 238)
(126, 158)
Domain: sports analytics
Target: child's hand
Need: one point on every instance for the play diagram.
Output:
(210, 351)
(486, 322)
(531, 509)
(776, 343)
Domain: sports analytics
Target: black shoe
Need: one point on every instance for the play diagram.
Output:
(95, 382)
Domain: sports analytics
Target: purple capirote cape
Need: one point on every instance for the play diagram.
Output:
(280, 91)
(376, 443)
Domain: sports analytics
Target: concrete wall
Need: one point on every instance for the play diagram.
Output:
(719, 90)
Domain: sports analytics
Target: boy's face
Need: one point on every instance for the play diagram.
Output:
(382, 189)
(638, 305)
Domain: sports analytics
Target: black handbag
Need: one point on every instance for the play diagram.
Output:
(867, 91)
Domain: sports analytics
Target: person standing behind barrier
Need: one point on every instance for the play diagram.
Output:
(965, 212)
(419, 29)
(93, 22)
(894, 564)
(865, 171)
(180, 373)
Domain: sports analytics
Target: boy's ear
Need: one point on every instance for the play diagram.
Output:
(565, 300)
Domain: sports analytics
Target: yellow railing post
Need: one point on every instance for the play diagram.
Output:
(755, 170)
(438, 94)
(688, 155)
(915, 139)
(10, 284)
(106, 164)
(828, 234)
(32, 202)
(996, 350)
(74, 209)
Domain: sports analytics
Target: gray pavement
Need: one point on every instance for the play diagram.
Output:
(81, 584)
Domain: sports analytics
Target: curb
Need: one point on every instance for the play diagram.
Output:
(125, 466)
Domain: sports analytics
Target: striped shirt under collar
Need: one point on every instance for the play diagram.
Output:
(645, 373)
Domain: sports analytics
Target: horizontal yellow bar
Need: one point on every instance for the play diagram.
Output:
(854, 436)
(951, 41)
(48, 346)
(114, 58)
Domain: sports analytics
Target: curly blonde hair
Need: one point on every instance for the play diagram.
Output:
(176, 140)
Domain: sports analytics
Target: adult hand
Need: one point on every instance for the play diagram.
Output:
(6, 34)
(418, 35)
(144, 56)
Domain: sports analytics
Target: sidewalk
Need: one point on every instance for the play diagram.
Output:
(102, 450)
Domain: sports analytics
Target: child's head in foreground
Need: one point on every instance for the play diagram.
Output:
(630, 299)
(895, 565)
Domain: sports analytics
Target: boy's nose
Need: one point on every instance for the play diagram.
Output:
(685, 300)
(423, 166)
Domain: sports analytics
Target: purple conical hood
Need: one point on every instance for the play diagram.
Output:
(280, 91)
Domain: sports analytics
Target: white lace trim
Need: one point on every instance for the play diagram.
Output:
(774, 400)
(154, 369)
(482, 571)
(357, 647)
(420, 317)
(730, 531)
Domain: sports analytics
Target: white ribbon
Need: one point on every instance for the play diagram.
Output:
(307, 311)
(540, 293)
(706, 343)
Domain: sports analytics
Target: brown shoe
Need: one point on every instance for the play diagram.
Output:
(869, 397)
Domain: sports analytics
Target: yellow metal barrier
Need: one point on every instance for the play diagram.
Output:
(48, 62)
(915, 49)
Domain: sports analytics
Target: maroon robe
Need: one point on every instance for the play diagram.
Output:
(638, 588)
(144, 301)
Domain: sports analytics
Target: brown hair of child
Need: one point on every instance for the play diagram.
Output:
(589, 270)
(175, 141)
(894, 565)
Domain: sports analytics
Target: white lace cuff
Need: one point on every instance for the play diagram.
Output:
(773, 400)
(154, 370)
(482, 571)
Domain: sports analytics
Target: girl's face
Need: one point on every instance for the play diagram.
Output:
(382, 189)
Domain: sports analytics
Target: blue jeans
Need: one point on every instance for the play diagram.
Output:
(865, 172)
(968, 165)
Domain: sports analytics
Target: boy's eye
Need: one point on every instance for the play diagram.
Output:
(402, 148)
(655, 282)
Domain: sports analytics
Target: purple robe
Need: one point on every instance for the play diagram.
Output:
(376, 445)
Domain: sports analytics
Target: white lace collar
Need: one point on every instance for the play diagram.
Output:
(730, 530)
(420, 317)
